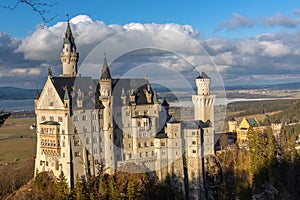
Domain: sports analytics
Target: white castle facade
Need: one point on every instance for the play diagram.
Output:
(87, 127)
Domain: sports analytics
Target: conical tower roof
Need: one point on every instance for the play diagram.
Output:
(66, 96)
(165, 103)
(173, 120)
(105, 70)
(37, 95)
(69, 39)
(203, 75)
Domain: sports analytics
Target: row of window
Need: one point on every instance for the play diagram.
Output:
(84, 117)
(45, 163)
(51, 118)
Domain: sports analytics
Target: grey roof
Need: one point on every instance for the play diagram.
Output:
(173, 120)
(196, 124)
(165, 103)
(50, 123)
(36, 95)
(133, 86)
(70, 85)
(252, 121)
(161, 135)
(203, 75)
(231, 119)
(66, 96)
(105, 70)
(69, 39)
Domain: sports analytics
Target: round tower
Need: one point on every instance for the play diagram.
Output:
(69, 56)
(203, 84)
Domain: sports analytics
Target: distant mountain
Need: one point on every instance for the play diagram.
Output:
(283, 86)
(16, 93)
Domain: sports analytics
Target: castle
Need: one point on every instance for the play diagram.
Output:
(86, 126)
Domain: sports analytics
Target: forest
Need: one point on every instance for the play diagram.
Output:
(266, 170)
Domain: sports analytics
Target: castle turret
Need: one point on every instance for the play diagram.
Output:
(69, 56)
(105, 90)
(36, 97)
(203, 101)
(203, 84)
(66, 99)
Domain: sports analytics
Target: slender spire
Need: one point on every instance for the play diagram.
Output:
(155, 100)
(69, 39)
(66, 96)
(105, 70)
(37, 95)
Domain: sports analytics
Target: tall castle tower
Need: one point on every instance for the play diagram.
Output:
(105, 91)
(203, 101)
(69, 56)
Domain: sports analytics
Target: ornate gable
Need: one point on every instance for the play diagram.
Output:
(49, 98)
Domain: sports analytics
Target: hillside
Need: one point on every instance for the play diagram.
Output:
(16, 93)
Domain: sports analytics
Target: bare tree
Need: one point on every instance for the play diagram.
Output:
(38, 6)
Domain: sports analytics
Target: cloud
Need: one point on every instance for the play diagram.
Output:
(237, 21)
(283, 20)
(24, 62)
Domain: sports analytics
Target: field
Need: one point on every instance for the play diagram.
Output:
(17, 142)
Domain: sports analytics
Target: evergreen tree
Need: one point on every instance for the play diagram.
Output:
(132, 188)
(103, 189)
(61, 189)
(271, 147)
(258, 157)
(113, 190)
(78, 189)
(167, 191)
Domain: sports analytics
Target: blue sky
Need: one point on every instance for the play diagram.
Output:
(250, 42)
(203, 15)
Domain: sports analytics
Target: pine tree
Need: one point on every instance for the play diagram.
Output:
(258, 156)
(61, 189)
(78, 189)
(103, 189)
(113, 190)
(132, 188)
(271, 147)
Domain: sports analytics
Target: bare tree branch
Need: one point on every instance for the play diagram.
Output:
(37, 6)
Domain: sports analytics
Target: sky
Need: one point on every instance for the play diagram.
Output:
(247, 42)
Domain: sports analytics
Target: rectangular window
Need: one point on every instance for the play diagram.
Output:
(43, 118)
(77, 154)
(59, 119)
(194, 151)
(51, 118)
(76, 142)
(56, 165)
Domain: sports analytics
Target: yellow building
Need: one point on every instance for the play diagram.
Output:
(242, 129)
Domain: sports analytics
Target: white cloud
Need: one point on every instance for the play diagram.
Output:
(282, 20)
(274, 48)
(237, 21)
(238, 60)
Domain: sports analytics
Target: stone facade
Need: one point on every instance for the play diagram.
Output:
(87, 127)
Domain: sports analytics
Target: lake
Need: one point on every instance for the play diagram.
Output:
(16, 105)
